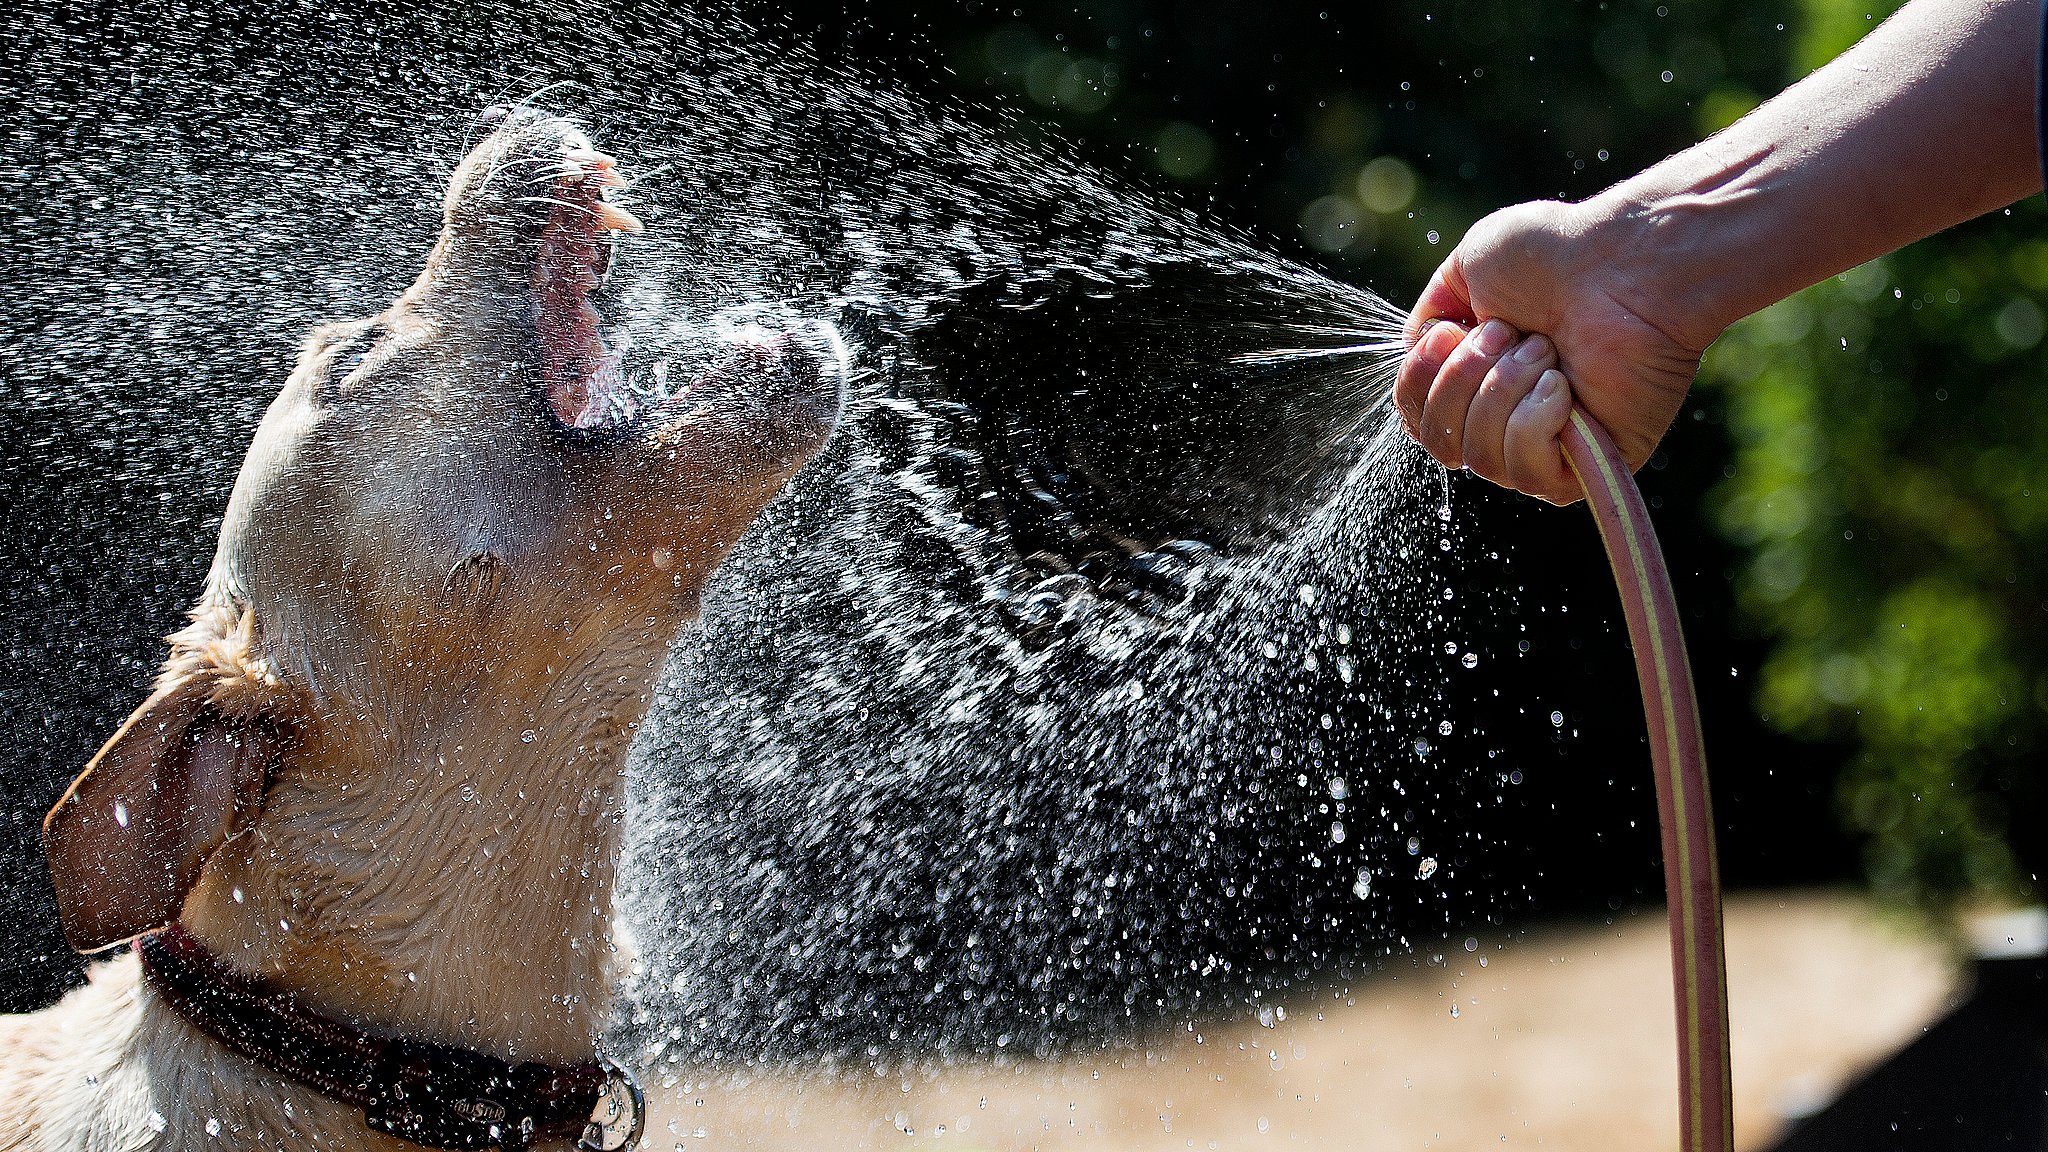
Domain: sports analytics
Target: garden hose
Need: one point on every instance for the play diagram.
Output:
(1692, 883)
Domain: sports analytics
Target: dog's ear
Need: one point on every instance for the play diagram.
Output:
(127, 841)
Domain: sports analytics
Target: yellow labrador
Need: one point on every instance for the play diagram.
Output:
(366, 825)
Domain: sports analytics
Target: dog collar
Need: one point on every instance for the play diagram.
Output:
(433, 1095)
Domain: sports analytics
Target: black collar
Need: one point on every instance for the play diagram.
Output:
(434, 1095)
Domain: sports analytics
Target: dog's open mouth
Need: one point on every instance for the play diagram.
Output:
(572, 222)
(580, 370)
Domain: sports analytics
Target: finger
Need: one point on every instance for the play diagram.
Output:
(1419, 369)
(1447, 297)
(1442, 428)
(1513, 377)
(1535, 458)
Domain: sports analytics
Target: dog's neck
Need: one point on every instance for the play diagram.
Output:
(446, 871)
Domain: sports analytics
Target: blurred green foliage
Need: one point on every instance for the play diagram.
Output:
(1887, 492)
(1890, 489)
(1372, 135)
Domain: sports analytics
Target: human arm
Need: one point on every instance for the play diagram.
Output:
(1928, 121)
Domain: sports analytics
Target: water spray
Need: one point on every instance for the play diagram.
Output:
(798, 789)
(1692, 883)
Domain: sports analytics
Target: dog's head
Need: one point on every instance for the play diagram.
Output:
(458, 502)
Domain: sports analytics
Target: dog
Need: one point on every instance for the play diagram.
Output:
(364, 830)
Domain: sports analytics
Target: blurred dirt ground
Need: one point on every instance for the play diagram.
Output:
(1561, 1039)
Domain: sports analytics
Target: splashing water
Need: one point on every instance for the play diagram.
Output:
(1017, 719)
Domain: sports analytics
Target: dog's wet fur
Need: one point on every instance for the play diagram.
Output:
(382, 767)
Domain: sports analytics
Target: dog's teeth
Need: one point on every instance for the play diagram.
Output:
(592, 164)
(616, 218)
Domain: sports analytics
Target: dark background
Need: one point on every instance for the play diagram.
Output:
(1487, 103)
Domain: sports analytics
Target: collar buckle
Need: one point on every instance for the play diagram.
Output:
(620, 1117)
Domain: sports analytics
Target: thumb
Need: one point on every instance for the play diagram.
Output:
(1446, 298)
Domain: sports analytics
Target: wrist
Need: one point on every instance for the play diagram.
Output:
(1663, 253)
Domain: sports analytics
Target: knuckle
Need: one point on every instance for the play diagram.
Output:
(1469, 359)
(1440, 438)
(1503, 390)
(1413, 375)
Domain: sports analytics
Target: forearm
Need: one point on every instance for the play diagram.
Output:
(1927, 122)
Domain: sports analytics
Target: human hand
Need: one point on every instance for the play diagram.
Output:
(1539, 305)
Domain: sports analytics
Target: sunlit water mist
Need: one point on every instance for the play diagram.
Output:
(1082, 683)
(971, 754)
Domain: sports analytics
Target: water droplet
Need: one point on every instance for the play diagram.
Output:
(1337, 832)
(1362, 887)
(1557, 719)
(528, 736)
(1469, 660)
(1426, 869)
(121, 813)
(1339, 788)
(1444, 728)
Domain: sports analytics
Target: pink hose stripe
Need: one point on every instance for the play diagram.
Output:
(1685, 809)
